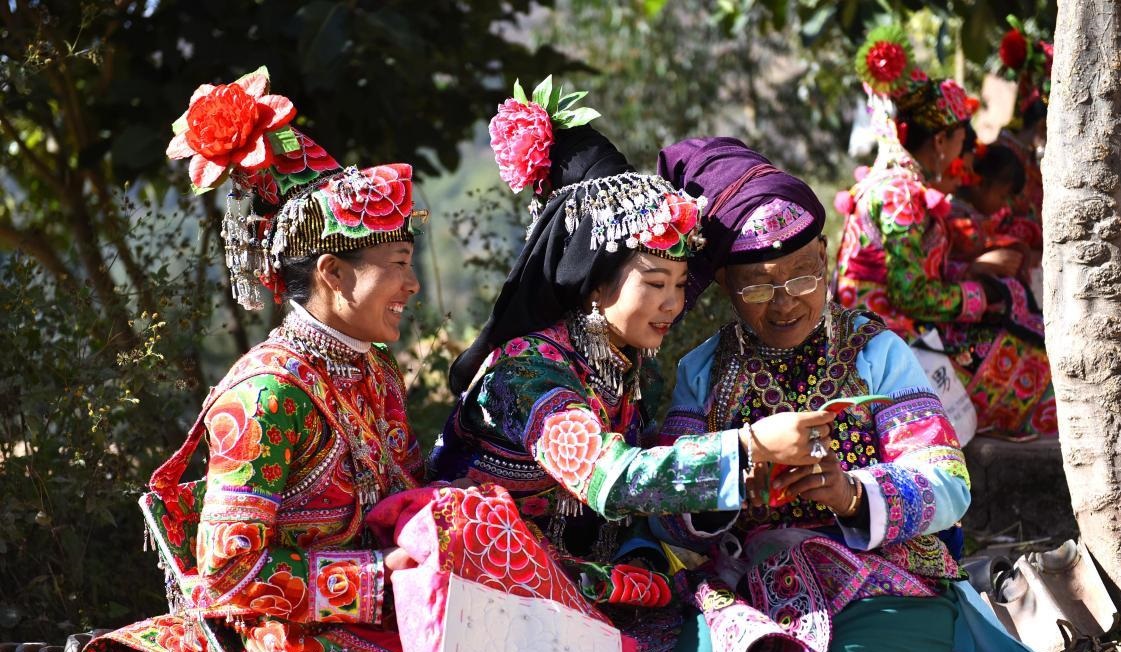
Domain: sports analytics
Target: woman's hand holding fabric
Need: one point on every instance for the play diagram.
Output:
(787, 437)
(823, 482)
(997, 262)
(396, 559)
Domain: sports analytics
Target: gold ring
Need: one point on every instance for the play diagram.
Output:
(817, 468)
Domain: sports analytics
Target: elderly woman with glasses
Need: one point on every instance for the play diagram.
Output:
(841, 554)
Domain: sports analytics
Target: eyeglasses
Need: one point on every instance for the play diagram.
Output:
(795, 287)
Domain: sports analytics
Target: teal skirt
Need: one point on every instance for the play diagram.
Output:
(889, 623)
(892, 624)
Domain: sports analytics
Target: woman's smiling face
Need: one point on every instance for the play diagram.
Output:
(370, 294)
(645, 300)
(785, 321)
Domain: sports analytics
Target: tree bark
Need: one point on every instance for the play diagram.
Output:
(1082, 265)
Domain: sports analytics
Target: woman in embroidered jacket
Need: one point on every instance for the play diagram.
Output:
(557, 390)
(307, 430)
(894, 253)
(842, 552)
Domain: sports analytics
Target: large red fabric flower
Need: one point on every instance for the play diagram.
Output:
(496, 538)
(282, 595)
(235, 436)
(339, 582)
(521, 135)
(225, 126)
(1013, 49)
(639, 587)
(570, 445)
(677, 215)
(886, 61)
(378, 198)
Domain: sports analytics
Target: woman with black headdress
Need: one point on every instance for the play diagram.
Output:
(556, 393)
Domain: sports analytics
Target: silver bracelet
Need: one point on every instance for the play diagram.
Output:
(750, 436)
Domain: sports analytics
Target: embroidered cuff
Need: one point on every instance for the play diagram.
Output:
(347, 586)
(973, 303)
(730, 497)
(680, 423)
(906, 503)
(863, 538)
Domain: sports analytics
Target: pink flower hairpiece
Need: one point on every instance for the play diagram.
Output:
(521, 133)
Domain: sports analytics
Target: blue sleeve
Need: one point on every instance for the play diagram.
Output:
(921, 485)
(691, 395)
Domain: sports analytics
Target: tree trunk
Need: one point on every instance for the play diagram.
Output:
(1082, 265)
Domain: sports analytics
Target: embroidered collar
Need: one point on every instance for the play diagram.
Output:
(358, 346)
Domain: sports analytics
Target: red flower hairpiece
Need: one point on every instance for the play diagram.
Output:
(225, 128)
(674, 223)
(1013, 49)
(884, 61)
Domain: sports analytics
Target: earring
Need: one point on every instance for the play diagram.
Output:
(591, 334)
(598, 331)
(340, 302)
(938, 168)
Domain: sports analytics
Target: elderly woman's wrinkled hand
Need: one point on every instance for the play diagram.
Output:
(823, 482)
(794, 438)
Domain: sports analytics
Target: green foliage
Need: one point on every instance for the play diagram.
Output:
(83, 424)
(775, 73)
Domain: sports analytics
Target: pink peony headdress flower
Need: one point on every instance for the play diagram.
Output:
(521, 133)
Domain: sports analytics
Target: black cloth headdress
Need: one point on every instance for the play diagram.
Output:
(556, 269)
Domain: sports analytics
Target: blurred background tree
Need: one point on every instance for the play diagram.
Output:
(115, 312)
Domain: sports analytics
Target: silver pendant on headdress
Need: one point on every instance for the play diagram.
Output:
(245, 254)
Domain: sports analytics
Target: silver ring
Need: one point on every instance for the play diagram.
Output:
(818, 449)
(815, 433)
(822, 476)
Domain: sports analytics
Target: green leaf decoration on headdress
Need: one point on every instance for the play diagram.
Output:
(559, 105)
(885, 60)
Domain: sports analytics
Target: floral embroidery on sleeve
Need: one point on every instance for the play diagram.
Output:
(569, 446)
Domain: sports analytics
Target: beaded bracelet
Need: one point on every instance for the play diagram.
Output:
(750, 438)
